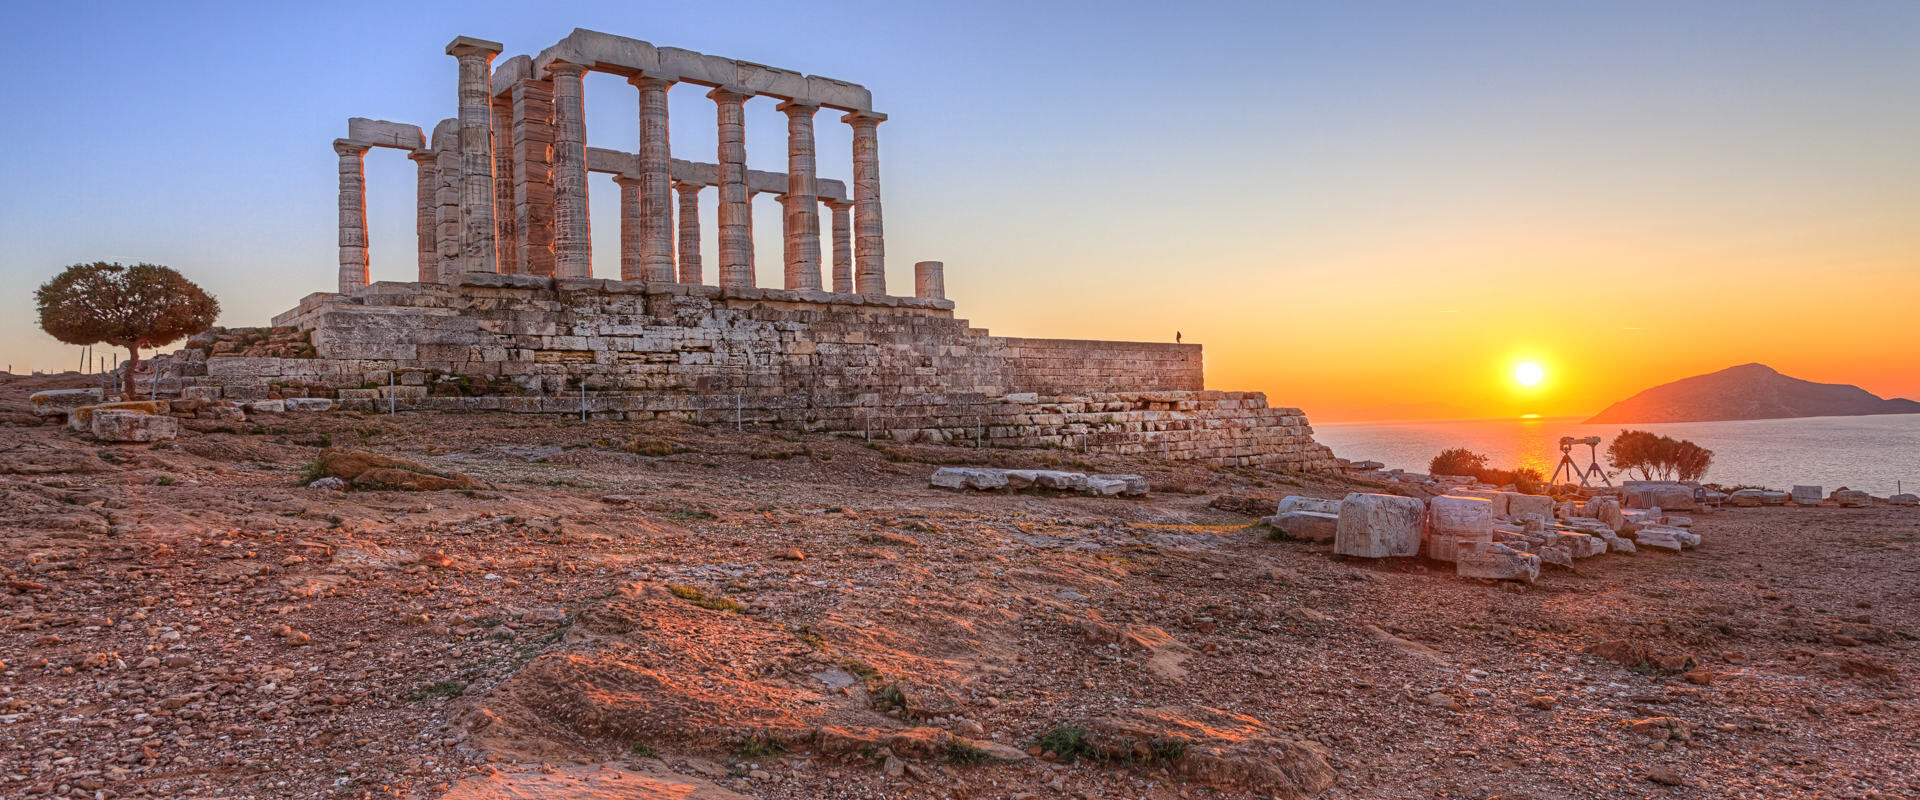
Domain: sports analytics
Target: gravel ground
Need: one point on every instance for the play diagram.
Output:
(800, 617)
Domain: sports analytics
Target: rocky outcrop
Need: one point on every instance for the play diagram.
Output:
(1213, 747)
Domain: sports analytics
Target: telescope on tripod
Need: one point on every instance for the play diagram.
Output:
(1591, 473)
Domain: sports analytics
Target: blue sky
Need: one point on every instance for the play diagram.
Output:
(1257, 175)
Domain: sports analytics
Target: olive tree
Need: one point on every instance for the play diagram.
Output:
(145, 305)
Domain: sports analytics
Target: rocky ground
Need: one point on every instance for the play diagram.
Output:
(678, 611)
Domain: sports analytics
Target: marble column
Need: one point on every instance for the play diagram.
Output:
(800, 207)
(506, 244)
(353, 213)
(689, 231)
(842, 246)
(572, 241)
(424, 223)
(446, 194)
(930, 280)
(656, 188)
(476, 152)
(736, 210)
(533, 175)
(869, 238)
(632, 229)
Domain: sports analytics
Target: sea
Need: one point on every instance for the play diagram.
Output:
(1876, 454)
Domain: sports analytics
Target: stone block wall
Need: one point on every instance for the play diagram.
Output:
(894, 368)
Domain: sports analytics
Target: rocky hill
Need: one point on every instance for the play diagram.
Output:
(1749, 391)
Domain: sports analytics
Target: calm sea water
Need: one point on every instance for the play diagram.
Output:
(1869, 453)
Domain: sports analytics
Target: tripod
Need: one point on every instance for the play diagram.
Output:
(1567, 464)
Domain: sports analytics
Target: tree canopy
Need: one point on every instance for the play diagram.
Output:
(1652, 456)
(142, 306)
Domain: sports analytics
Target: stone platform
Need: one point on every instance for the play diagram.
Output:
(894, 368)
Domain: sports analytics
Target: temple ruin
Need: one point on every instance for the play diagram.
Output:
(505, 313)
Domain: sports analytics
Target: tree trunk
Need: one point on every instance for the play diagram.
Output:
(133, 362)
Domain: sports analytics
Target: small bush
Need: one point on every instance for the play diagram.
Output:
(441, 689)
(644, 750)
(961, 751)
(704, 600)
(1067, 743)
(760, 745)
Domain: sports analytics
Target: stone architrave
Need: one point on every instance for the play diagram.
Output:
(1807, 495)
(1380, 526)
(506, 238)
(632, 230)
(929, 280)
(353, 213)
(572, 236)
(842, 245)
(477, 234)
(533, 139)
(689, 221)
(869, 234)
(800, 207)
(1455, 519)
(736, 210)
(426, 207)
(655, 189)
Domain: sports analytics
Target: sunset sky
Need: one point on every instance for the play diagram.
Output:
(1372, 210)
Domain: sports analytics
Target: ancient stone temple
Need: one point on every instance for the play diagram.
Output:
(505, 313)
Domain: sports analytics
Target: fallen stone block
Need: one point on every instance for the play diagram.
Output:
(308, 404)
(1557, 555)
(1852, 498)
(1745, 498)
(1105, 487)
(1062, 481)
(1904, 499)
(1806, 495)
(1497, 499)
(1495, 561)
(1453, 518)
(1661, 538)
(54, 402)
(1306, 526)
(267, 407)
(116, 425)
(1135, 485)
(221, 413)
(1520, 505)
(1379, 526)
(969, 478)
(202, 393)
(1579, 545)
(81, 419)
(1294, 502)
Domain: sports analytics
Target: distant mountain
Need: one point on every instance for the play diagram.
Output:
(1748, 391)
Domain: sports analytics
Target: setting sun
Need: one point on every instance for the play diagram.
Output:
(1529, 374)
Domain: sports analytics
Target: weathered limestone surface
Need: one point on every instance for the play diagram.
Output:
(842, 246)
(1296, 502)
(1904, 499)
(1520, 505)
(533, 198)
(1807, 495)
(1852, 498)
(55, 402)
(690, 267)
(426, 211)
(869, 235)
(929, 280)
(476, 152)
(736, 217)
(1380, 526)
(353, 213)
(1307, 526)
(572, 239)
(1496, 500)
(801, 204)
(1495, 561)
(113, 425)
(1456, 518)
(656, 191)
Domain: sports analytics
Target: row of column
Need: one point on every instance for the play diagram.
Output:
(488, 205)
(650, 250)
